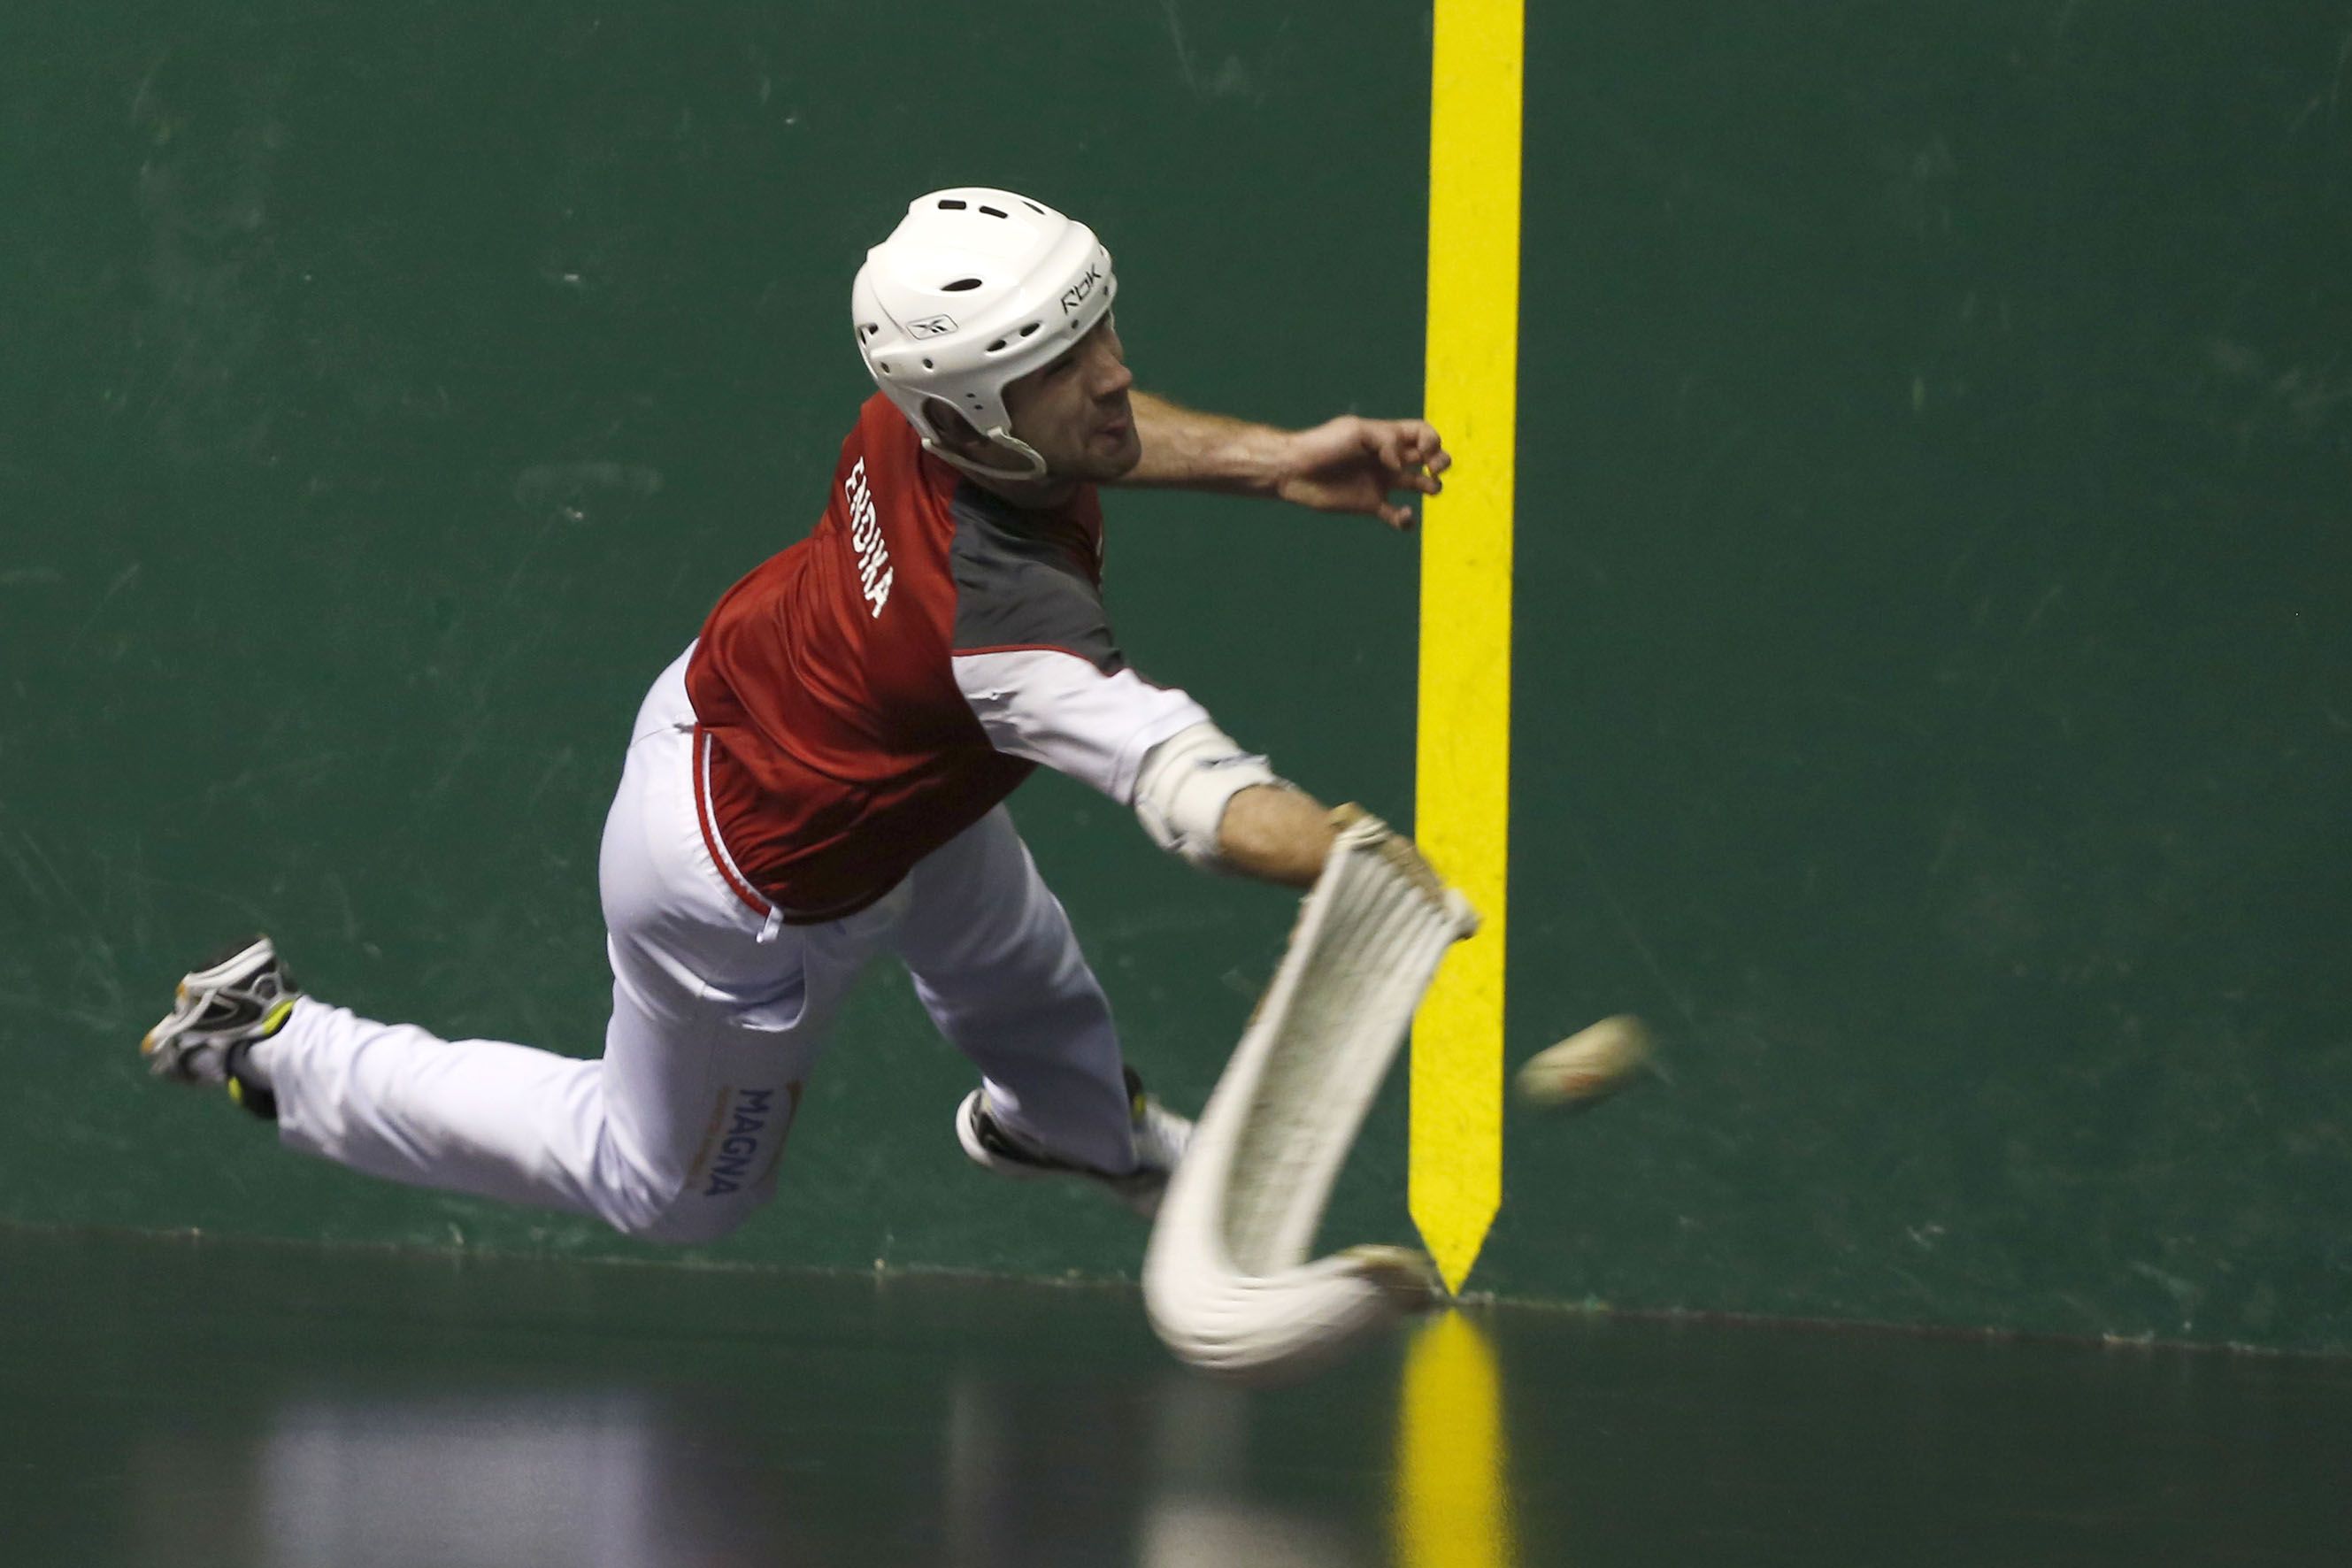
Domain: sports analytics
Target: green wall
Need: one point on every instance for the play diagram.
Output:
(1938, 708)
(1933, 700)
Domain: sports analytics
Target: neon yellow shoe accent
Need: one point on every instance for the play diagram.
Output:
(276, 1018)
(236, 1093)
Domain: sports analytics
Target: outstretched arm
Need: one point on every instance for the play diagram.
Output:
(1349, 464)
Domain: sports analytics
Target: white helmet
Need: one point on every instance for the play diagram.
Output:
(976, 287)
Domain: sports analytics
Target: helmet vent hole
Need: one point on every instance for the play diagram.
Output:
(951, 204)
(959, 284)
(995, 346)
(1029, 329)
(994, 213)
(928, 365)
(1033, 206)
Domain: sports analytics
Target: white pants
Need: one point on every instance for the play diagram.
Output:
(674, 1134)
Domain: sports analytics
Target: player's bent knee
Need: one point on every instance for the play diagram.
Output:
(704, 1206)
(687, 1202)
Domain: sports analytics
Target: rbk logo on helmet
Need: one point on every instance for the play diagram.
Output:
(1076, 293)
(932, 327)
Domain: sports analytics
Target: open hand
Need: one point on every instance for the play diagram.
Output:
(1354, 464)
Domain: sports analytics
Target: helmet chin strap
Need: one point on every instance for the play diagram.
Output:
(1033, 466)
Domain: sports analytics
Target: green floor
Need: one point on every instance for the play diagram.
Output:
(199, 1403)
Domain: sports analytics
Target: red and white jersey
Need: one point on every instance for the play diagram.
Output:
(880, 685)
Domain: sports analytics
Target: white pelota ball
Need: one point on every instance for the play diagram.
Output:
(1588, 1066)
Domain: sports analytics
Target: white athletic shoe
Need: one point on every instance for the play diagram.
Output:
(223, 1009)
(1159, 1138)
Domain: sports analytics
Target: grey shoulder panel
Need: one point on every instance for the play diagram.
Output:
(1015, 589)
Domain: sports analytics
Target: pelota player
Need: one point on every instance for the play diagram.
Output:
(821, 777)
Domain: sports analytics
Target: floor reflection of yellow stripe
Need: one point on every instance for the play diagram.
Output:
(1461, 790)
(1453, 1461)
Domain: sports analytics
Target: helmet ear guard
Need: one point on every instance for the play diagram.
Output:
(927, 425)
(975, 288)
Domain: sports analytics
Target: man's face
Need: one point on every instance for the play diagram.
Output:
(1074, 411)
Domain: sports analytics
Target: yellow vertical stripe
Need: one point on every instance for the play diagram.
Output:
(1461, 810)
(1452, 1497)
